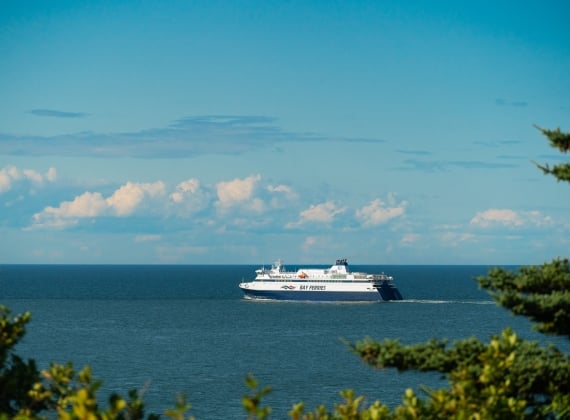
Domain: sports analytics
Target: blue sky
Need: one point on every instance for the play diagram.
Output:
(187, 132)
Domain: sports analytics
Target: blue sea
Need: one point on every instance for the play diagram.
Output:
(168, 330)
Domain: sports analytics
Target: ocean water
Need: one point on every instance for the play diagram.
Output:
(187, 329)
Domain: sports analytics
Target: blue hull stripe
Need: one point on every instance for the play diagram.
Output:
(314, 296)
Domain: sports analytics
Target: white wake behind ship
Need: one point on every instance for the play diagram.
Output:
(334, 284)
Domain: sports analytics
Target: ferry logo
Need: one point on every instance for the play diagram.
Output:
(288, 287)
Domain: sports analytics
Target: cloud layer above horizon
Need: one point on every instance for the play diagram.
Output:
(249, 205)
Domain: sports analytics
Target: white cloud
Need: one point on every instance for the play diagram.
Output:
(319, 213)
(123, 202)
(5, 181)
(491, 217)
(11, 174)
(278, 188)
(85, 205)
(378, 212)
(281, 195)
(189, 198)
(33, 176)
(126, 199)
(536, 218)
(283, 189)
(239, 193)
(510, 218)
(185, 189)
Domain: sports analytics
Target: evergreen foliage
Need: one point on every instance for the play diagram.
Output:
(506, 378)
(541, 293)
(560, 141)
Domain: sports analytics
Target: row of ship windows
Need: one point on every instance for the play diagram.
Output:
(296, 280)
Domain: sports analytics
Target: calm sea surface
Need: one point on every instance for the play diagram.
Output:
(187, 329)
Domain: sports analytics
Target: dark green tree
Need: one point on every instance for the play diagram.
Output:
(560, 141)
(541, 293)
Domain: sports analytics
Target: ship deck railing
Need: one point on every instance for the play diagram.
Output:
(322, 279)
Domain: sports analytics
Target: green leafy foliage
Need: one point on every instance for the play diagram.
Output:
(352, 407)
(16, 375)
(505, 376)
(252, 403)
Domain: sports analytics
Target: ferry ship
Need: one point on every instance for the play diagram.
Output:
(334, 284)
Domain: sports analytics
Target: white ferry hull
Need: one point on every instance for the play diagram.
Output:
(309, 292)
